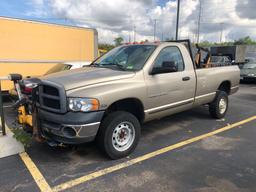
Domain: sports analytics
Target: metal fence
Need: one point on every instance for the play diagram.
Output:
(2, 108)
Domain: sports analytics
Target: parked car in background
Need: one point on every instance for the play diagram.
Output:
(248, 70)
(67, 66)
(220, 60)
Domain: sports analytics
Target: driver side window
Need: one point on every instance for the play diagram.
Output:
(170, 54)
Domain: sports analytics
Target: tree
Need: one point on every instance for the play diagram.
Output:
(105, 46)
(169, 39)
(206, 44)
(118, 41)
(245, 41)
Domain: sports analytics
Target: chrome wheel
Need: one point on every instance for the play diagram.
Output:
(223, 105)
(123, 136)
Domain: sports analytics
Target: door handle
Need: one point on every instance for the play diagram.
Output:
(185, 78)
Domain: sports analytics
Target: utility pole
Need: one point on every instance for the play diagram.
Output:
(221, 31)
(162, 32)
(177, 19)
(134, 33)
(199, 21)
(154, 29)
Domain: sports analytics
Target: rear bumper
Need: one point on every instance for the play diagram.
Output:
(71, 127)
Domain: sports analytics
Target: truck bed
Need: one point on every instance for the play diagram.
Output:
(209, 79)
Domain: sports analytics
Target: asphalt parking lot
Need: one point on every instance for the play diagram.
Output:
(188, 151)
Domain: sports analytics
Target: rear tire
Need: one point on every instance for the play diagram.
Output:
(119, 134)
(219, 106)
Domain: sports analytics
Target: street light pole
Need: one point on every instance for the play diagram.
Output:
(199, 21)
(221, 31)
(154, 29)
(177, 19)
(134, 33)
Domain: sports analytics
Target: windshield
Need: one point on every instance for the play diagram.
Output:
(127, 58)
(57, 68)
(249, 66)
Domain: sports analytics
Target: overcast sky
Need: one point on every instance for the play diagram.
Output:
(113, 18)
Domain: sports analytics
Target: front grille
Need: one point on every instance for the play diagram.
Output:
(51, 103)
(50, 90)
(52, 97)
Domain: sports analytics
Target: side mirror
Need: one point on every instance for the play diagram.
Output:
(167, 67)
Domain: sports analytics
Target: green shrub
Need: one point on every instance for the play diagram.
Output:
(20, 135)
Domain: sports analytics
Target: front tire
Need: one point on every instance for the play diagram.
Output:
(119, 134)
(219, 106)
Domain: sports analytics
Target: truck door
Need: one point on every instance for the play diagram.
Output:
(171, 91)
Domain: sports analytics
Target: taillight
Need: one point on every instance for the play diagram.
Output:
(28, 89)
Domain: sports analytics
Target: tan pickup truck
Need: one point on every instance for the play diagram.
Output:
(109, 100)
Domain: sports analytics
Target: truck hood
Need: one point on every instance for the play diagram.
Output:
(76, 78)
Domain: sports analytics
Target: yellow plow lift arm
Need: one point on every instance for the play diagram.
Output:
(23, 118)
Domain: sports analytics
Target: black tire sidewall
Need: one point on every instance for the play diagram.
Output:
(109, 125)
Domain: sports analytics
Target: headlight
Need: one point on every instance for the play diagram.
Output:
(251, 75)
(83, 104)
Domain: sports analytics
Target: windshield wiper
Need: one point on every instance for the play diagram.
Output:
(95, 65)
(108, 64)
(116, 64)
